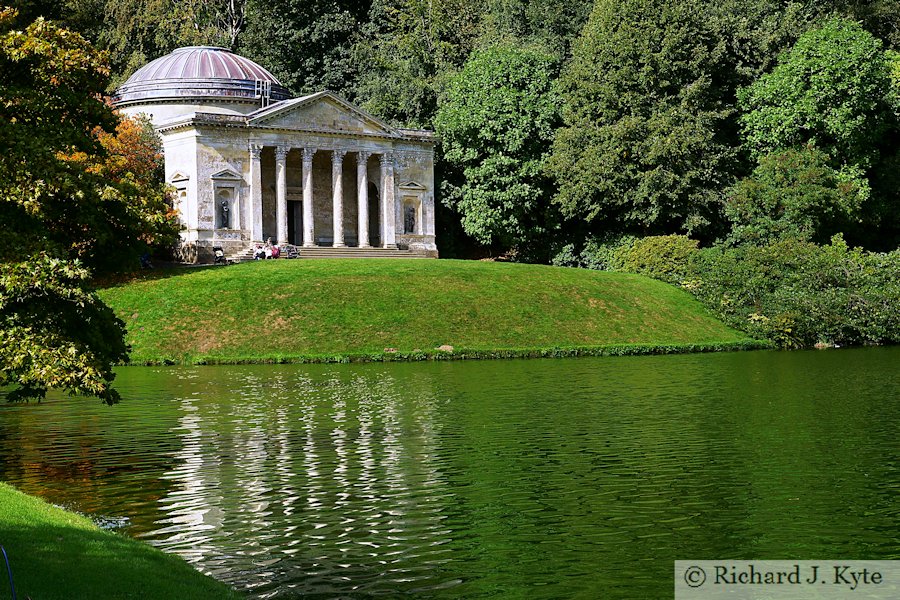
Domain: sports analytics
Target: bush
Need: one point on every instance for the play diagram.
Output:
(798, 294)
(663, 257)
(602, 253)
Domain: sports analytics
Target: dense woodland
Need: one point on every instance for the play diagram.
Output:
(747, 150)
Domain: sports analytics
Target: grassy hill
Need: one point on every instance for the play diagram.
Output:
(371, 309)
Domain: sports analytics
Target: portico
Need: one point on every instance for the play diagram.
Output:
(334, 210)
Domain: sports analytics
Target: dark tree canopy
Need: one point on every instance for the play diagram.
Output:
(307, 45)
(642, 148)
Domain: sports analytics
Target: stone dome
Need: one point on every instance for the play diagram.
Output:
(200, 72)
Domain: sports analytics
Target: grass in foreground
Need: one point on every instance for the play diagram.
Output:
(57, 554)
(294, 310)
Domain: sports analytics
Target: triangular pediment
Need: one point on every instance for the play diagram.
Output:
(411, 185)
(324, 111)
(178, 176)
(226, 174)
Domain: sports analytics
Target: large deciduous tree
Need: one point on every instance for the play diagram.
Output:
(831, 89)
(644, 144)
(65, 205)
(496, 124)
(307, 45)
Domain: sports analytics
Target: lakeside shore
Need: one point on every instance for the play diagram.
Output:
(55, 554)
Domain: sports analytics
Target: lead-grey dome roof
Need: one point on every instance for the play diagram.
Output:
(200, 72)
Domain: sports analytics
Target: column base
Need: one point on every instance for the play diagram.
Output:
(364, 246)
(390, 246)
(309, 245)
(339, 245)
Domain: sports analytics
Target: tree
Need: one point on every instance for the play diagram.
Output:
(546, 24)
(644, 147)
(405, 52)
(496, 124)
(795, 194)
(308, 45)
(65, 207)
(831, 89)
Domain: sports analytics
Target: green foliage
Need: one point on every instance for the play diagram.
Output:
(406, 50)
(53, 333)
(798, 294)
(66, 205)
(665, 257)
(600, 253)
(495, 124)
(830, 90)
(58, 193)
(644, 110)
(307, 45)
(795, 193)
(547, 24)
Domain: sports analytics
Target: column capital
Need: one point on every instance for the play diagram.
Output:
(255, 150)
(362, 157)
(281, 152)
(308, 154)
(338, 154)
(387, 159)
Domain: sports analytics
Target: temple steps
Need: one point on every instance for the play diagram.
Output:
(329, 252)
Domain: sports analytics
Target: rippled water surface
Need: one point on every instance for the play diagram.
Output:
(578, 478)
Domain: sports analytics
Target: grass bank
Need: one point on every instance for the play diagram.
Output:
(56, 554)
(340, 310)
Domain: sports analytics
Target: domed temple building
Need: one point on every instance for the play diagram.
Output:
(250, 163)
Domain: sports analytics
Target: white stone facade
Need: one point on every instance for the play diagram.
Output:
(311, 171)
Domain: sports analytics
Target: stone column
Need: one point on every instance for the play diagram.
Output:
(337, 198)
(309, 234)
(281, 153)
(255, 220)
(362, 195)
(388, 228)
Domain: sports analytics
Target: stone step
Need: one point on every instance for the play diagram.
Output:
(329, 252)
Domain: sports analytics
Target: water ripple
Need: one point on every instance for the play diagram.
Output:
(539, 479)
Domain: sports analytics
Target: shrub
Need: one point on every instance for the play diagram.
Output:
(797, 293)
(664, 257)
(602, 253)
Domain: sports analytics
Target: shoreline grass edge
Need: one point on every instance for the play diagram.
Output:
(458, 354)
(58, 554)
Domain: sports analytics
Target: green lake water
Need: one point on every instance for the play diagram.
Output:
(576, 478)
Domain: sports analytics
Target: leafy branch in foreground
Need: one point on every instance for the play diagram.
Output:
(54, 333)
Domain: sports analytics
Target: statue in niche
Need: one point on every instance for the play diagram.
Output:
(225, 222)
(409, 219)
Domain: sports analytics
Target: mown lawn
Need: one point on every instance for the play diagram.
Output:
(295, 308)
(59, 555)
